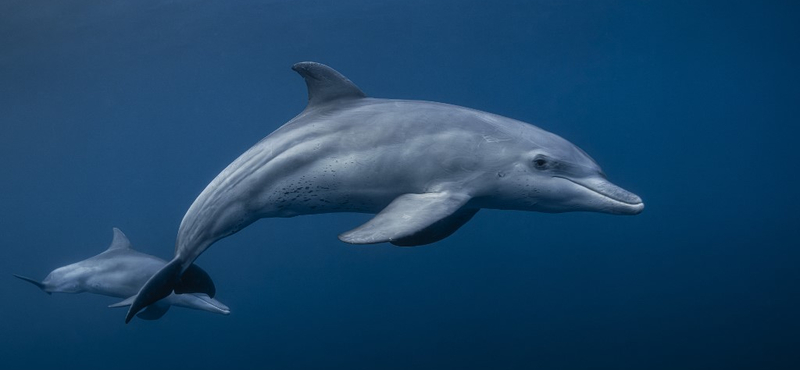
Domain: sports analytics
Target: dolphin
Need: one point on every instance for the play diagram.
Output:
(119, 272)
(424, 168)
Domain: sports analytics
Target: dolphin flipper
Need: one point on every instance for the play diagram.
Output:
(438, 230)
(127, 302)
(154, 311)
(32, 281)
(413, 219)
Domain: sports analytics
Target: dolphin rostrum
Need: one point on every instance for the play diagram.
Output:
(424, 168)
(120, 271)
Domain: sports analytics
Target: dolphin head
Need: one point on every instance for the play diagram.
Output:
(67, 279)
(553, 175)
(58, 281)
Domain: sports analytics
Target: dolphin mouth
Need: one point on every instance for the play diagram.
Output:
(624, 201)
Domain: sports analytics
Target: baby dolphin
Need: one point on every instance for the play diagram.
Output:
(120, 271)
(423, 168)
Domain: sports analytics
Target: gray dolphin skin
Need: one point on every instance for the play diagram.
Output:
(423, 168)
(120, 271)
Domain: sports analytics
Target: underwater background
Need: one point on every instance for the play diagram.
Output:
(118, 113)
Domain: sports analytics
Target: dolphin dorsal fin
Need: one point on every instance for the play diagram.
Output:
(326, 84)
(120, 241)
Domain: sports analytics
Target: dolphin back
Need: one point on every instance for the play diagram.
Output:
(32, 281)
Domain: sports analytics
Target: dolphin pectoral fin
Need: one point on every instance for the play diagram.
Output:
(413, 219)
(32, 281)
(157, 287)
(124, 303)
(154, 311)
(438, 230)
(195, 280)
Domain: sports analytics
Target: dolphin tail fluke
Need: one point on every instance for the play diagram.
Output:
(154, 311)
(213, 305)
(200, 301)
(195, 280)
(32, 281)
(159, 286)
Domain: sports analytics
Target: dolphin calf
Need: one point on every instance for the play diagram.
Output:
(424, 168)
(119, 272)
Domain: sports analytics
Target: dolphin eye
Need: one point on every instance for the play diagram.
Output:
(540, 163)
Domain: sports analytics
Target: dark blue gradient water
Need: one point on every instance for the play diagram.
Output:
(117, 114)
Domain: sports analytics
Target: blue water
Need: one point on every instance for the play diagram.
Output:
(117, 114)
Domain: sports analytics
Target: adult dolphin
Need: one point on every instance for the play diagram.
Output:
(119, 272)
(425, 168)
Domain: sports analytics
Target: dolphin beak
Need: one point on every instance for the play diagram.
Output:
(609, 198)
(34, 282)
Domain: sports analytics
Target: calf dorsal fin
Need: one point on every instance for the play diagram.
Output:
(120, 241)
